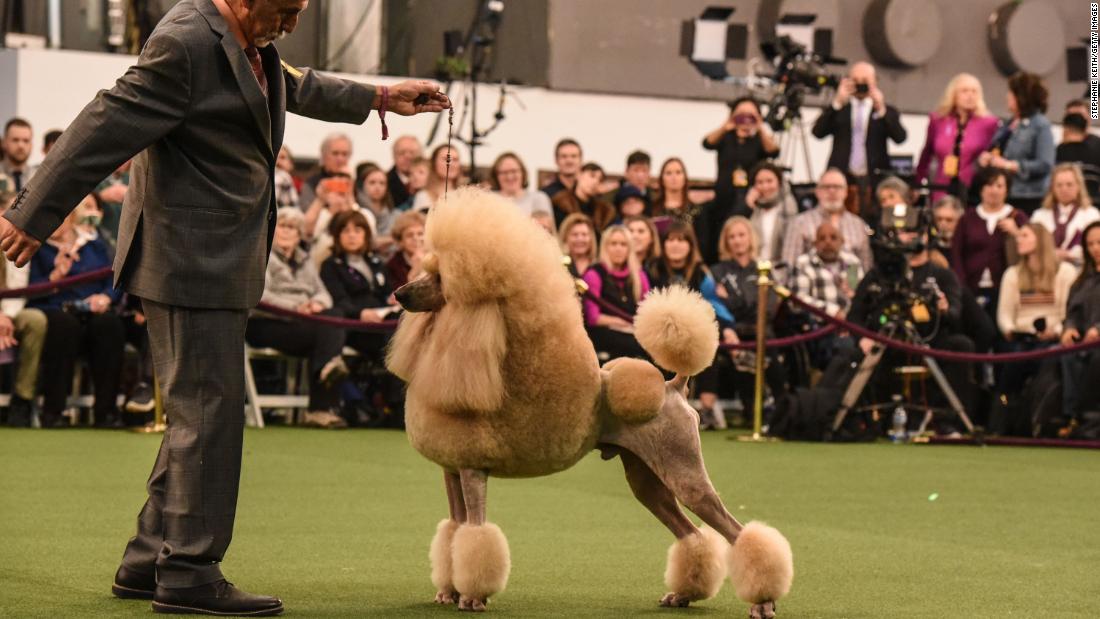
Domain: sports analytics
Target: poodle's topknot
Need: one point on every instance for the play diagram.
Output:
(677, 327)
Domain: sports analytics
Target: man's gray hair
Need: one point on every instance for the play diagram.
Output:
(951, 202)
(896, 184)
(333, 137)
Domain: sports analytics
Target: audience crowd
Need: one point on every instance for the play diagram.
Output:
(1010, 260)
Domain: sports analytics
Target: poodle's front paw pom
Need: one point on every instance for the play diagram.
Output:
(476, 605)
(672, 600)
(446, 597)
(764, 610)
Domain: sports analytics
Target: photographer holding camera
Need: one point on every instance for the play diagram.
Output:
(742, 142)
(860, 122)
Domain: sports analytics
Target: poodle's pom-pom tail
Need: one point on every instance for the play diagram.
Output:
(440, 555)
(761, 566)
(677, 327)
(635, 389)
(697, 565)
(481, 561)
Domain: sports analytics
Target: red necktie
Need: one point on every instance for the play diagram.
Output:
(257, 66)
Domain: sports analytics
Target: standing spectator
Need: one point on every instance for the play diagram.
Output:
(637, 175)
(742, 142)
(1078, 145)
(286, 184)
(831, 190)
(22, 327)
(508, 177)
(585, 198)
(408, 233)
(617, 279)
(406, 149)
(81, 320)
(1030, 311)
(980, 246)
(335, 157)
(773, 209)
(860, 122)
(16, 149)
(577, 236)
(1024, 146)
(1080, 391)
(673, 202)
(959, 129)
(111, 192)
(442, 177)
(1066, 212)
(292, 282)
(568, 157)
(377, 200)
(1080, 107)
(49, 140)
(644, 239)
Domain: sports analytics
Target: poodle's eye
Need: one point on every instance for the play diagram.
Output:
(430, 263)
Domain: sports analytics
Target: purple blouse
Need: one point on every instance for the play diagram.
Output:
(940, 144)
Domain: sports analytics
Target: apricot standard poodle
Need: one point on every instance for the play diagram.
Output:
(503, 381)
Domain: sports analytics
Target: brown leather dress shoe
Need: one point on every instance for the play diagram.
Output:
(217, 598)
(131, 585)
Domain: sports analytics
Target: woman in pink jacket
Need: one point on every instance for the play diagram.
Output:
(959, 129)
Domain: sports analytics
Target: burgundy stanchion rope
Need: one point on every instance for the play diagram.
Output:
(44, 289)
(385, 326)
(946, 355)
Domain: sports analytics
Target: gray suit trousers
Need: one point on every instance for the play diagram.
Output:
(186, 524)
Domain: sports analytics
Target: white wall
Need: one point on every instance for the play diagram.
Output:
(51, 87)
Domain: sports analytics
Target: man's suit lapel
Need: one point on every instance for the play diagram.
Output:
(250, 88)
(276, 88)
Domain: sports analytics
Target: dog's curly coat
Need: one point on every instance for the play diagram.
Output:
(503, 381)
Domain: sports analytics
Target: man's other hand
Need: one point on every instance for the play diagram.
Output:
(17, 245)
(416, 97)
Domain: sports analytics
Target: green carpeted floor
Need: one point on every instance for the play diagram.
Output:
(338, 524)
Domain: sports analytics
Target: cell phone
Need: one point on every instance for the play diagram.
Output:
(338, 184)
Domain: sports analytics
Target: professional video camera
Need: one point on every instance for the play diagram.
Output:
(898, 299)
(798, 72)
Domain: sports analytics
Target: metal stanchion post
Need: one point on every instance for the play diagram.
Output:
(764, 283)
(158, 424)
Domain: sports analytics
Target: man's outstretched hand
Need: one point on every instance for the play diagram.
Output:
(17, 245)
(416, 97)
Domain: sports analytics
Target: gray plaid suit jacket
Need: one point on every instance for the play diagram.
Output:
(199, 216)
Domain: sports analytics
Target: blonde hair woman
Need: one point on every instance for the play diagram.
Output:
(959, 129)
(577, 236)
(617, 279)
(1067, 211)
(647, 243)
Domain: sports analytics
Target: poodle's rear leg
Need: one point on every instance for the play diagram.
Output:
(696, 567)
(480, 556)
(440, 552)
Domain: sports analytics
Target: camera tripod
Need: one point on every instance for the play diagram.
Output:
(867, 369)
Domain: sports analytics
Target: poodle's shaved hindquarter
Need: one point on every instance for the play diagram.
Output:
(503, 381)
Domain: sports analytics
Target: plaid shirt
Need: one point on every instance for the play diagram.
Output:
(803, 231)
(820, 284)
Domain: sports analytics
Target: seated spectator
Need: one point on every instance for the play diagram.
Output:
(406, 150)
(827, 278)
(1078, 145)
(377, 200)
(736, 283)
(357, 281)
(585, 198)
(568, 157)
(630, 202)
(419, 171)
(1080, 389)
(616, 279)
(404, 265)
(336, 153)
(832, 188)
(1066, 211)
(81, 320)
(21, 328)
(742, 142)
(637, 175)
(979, 325)
(286, 186)
(577, 236)
(110, 193)
(49, 140)
(672, 198)
(442, 177)
(891, 191)
(545, 220)
(772, 208)
(946, 213)
(681, 264)
(644, 239)
(334, 196)
(292, 283)
(508, 177)
(980, 246)
(1030, 312)
(1024, 146)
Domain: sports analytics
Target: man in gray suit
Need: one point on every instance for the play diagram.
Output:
(203, 110)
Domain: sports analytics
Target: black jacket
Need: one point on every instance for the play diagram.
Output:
(351, 291)
(838, 123)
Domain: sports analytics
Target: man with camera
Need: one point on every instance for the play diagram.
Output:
(860, 122)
